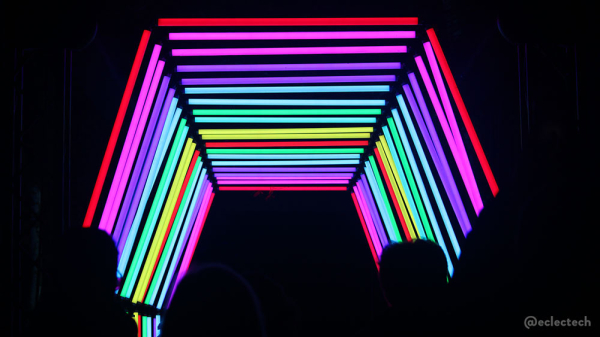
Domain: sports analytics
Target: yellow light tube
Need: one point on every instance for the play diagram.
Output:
(286, 131)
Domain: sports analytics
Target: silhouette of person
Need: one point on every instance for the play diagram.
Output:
(413, 277)
(78, 295)
(213, 300)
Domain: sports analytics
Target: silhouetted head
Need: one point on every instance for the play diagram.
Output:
(213, 301)
(414, 270)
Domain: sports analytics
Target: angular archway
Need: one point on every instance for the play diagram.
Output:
(364, 105)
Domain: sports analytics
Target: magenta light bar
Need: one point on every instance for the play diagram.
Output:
(267, 177)
(282, 175)
(288, 67)
(282, 182)
(284, 169)
(289, 51)
(294, 35)
(278, 80)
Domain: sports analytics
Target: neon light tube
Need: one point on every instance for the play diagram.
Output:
(147, 151)
(294, 130)
(436, 148)
(130, 134)
(367, 197)
(114, 134)
(284, 162)
(285, 112)
(283, 182)
(288, 67)
(283, 188)
(341, 120)
(275, 175)
(159, 198)
(288, 176)
(284, 156)
(370, 241)
(462, 109)
(284, 90)
(390, 21)
(413, 163)
(281, 80)
(403, 214)
(462, 161)
(233, 179)
(284, 169)
(288, 144)
(359, 135)
(266, 151)
(382, 201)
(289, 51)
(345, 35)
(301, 102)
(368, 223)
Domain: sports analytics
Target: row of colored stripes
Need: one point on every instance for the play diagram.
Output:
(148, 326)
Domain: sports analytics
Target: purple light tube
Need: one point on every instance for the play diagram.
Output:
(142, 166)
(289, 51)
(280, 178)
(369, 221)
(294, 35)
(282, 182)
(287, 67)
(461, 158)
(135, 144)
(437, 153)
(455, 132)
(365, 192)
(284, 169)
(129, 139)
(282, 175)
(280, 80)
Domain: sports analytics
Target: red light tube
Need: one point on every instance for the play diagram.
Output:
(463, 111)
(283, 188)
(288, 144)
(291, 22)
(114, 134)
(362, 222)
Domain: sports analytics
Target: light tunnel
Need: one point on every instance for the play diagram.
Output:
(363, 105)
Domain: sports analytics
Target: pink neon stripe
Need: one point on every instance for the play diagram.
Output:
(287, 67)
(293, 35)
(289, 21)
(284, 175)
(364, 226)
(461, 161)
(129, 139)
(369, 222)
(290, 51)
(278, 178)
(283, 188)
(278, 80)
(280, 182)
(452, 121)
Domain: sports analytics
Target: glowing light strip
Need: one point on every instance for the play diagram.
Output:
(288, 67)
(114, 134)
(284, 156)
(125, 243)
(284, 162)
(282, 175)
(130, 135)
(344, 35)
(283, 188)
(370, 241)
(283, 182)
(285, 112)
(401, 211)
(142, 165)
(173, 234)
(157, 203)
(265, 131)
(185, 234)
(407, 176)
(299, 102)
(363, 135)
(284, 169)
(265, 151)
(387, 21)
(461, 159)
(283, 90)
(433, 185)
(382, 200)
(279, 120)
(281, 80)
(367, 197)
(268, 177)
(288, 144)
(462, 109)
(180, 175)
(438, 157)
(366, 217)
(289, 51)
